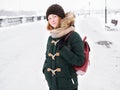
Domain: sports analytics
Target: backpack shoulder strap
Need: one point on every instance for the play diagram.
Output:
(86, 43)
(68, 35)
(84, 38)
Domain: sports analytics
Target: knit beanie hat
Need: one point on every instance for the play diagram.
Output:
(55, 9)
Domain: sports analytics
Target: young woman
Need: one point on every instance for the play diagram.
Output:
(62, 54)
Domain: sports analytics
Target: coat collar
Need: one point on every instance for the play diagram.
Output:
(66, 26)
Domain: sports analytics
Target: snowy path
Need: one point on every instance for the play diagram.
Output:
(21, 48)
(22, 51)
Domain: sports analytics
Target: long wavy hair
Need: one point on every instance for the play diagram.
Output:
(49, 27)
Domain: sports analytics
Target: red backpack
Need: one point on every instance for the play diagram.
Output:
(81, 70)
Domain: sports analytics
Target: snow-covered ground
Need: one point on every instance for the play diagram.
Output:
(22, 53)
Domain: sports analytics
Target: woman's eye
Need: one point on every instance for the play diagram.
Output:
(49, 18)
(54, 16)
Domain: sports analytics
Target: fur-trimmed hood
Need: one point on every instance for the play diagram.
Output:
(68, 20)
(66, 26)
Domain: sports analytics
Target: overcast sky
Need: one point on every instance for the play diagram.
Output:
(42, 5)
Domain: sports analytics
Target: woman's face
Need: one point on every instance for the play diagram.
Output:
(54, 20)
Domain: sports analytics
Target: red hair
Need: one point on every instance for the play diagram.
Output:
(49, 27)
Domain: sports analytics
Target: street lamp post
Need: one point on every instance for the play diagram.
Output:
(105, 11)
(89, 7)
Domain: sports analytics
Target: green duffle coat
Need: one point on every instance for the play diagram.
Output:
(58, 66)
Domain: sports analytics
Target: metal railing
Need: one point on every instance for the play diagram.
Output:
(9, 21)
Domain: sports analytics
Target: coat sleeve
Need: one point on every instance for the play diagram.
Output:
(75, 55)
(45, 62)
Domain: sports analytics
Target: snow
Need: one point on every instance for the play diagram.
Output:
(22, 54)
(103, 72)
